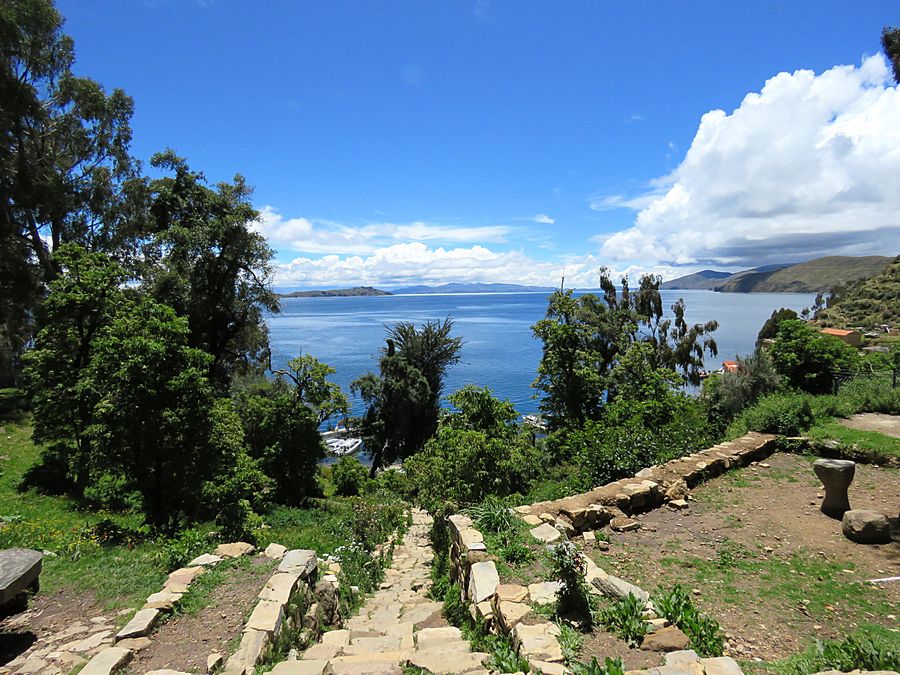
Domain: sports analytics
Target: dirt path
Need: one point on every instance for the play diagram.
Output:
(184, 641)
(764, 561)
(883, 424)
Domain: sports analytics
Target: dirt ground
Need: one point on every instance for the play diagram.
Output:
(757, 555)
(184, 641)
(884, 424)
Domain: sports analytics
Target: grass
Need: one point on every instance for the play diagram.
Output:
(867, 441)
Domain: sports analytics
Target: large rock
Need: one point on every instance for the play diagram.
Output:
(107, 661)
(441, 661)
(140, 625)
(866, 527)
(669, 639)
(836, 475)
(275, 551)
(327, 599)
(483, 581)
(722, 665)
(546, 533)
(266, 617)
(301, 562)
(310, 667)
(19, 570)
(538, 641)
(251, 651)
(279, 588)
(434, 638)
(163, 600)
(205, 560)
(512, 593)
(234, 549)
(509, 614)
(543, 592)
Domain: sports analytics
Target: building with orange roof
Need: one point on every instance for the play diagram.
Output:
(851, 337)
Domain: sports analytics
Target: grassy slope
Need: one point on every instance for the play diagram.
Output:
(870, 303)
(864, 440)
(814, 276)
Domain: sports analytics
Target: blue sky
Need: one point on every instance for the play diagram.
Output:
(405, 142)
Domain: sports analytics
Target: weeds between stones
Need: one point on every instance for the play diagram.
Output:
(625, 619)
(705, 634)
(609, 667)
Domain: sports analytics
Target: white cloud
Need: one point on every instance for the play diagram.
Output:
(806, 167)
(321, 236)
(543, 219)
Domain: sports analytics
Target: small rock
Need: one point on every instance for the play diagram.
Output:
(275, 551)
(205, 560)
(668, 639)
(678, 504)
(589, 536)
(546, 533)
(624, 524)
(235, 549)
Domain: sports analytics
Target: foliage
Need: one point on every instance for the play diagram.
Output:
(625, 618)
(570, 641)
(871, 394)
(475, 409)
(403, 401)
(787, 414)
(870, 302)
(770, 327)
(374, 521)
(728, 393)
(810, 360)
(705, 634)
(568, 565)
(584, 337)
(868, 648)
(611, 666)
(349, 476)
(504, 532)
(493, 515)
(178, 551)
(855, 444)
(206, 262)
(890, 42)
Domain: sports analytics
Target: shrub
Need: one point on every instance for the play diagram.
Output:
(870, 394)
(705, 634)
(808, 359)
(625, 618)
(112, 492)
(391, 482)
(569, 567)
(178, 551)
(788, 414)
(349, 476)
(726, 395)
(609, 667)
(871, 648)
(502, 529)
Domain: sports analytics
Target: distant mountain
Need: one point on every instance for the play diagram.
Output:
(358, 291)
(702, 280)
(473, 288)
(813, 276)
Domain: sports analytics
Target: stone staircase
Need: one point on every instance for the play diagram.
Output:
(382, 638)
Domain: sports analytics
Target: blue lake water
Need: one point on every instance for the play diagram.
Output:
(499, 350)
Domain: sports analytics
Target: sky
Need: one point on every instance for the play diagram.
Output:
(394, 143)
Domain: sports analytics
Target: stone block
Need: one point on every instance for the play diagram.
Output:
(512, 593)
(183, 577)
(866, 527)
(267, 617)
(538, 641)
(483, 581)
(107, 661)
(543, 592)
(668, 639)
(509, 614)
(442, 661)
(279, 588)
(164, 600)
(235, 549)
(532, 520)
(251, 651)
(546, 533)
(205, 560)
(305, 667)
(20, 569)
(471, 540)
(140, 625)
(275, 551)
(301, 562)
(431, 638)
(617, 588)
(836, 475)
(722, 665)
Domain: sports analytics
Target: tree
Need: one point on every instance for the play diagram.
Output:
(82, 302)
(728, 393)
(64, 161)
(770, 327)
(474, 408)
(281, 421)
(403, 401)
(205, 260)
(890, 42)
(584, 337)
(153, 417)
(810, 360)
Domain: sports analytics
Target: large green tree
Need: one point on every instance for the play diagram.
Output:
(205, 260)
(403, 400)
(64, 162)
(810, 360)
(585, 336)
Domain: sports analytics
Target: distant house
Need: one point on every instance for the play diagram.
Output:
(851, 337)
(729, 366)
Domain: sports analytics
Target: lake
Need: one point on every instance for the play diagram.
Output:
(498, 351)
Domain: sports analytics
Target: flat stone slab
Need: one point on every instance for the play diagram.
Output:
(512, 593)
(538, 641)
(546, 533)
(279, 588)
(140, 625)
(164, 600)
(182, 578)
(205, 560)
(235, 549)
(19, 569)
(266, 617)
(311, 667)
(544, 592)
(431, 638)
(107, 661)
(722, 665)
(440, 661)
(275, 551)
(614, 587)
(483, 581)
(301, 562)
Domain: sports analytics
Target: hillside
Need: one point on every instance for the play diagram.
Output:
(868, 303)
(358, 291)
(813, 276)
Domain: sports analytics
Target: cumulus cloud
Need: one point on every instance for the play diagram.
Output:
(307, 236)
(543, 219)
(805, 167)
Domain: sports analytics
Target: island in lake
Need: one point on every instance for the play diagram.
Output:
(357, 291)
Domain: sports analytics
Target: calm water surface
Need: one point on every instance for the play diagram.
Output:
(498, 348)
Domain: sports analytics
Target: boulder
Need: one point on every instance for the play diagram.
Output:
(669, 639)
(19, 570)
(327, 599)
(836, 475)
(546, 533)
(866, 527)
(275, 551)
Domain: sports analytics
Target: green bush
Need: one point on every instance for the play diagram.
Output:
(180, 550)
(870, 648)
(610, 667)
(787, 414)
(705, 634)
(112, 492)
(727, 394)
(350, 477)
(809, 360)
(391, 482)
(625, 618)
(871, 394)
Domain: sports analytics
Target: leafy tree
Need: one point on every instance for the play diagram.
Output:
(349, 476)
(152, 419)
(890, 42)
(205, 260)
(810, 360)
(584, 337)
(474, 408)
(728, 393)
(281, 421)
(403, 401)
(82, 303)
(770, 327)
(64, 162)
